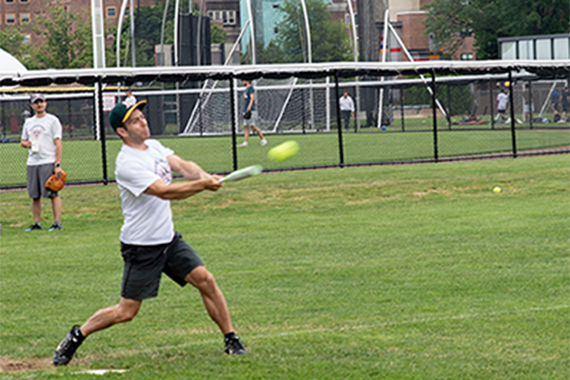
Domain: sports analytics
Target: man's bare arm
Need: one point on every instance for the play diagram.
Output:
(182, 190)
(186, 169)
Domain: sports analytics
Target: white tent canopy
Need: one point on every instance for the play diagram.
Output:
(10, 64)
(559, 69)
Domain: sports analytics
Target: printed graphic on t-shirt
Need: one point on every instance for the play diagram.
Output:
(162, 169)
(36, 131)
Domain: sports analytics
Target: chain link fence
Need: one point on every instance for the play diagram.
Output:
(460, 121)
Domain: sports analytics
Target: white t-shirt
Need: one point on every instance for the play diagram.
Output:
(41, 132)
(130, 101)
(346, 104)
(503, 100)
(148, 219)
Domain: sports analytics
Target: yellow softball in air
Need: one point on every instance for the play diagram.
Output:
(283, 151)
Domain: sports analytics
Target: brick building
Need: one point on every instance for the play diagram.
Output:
(24, 13)
(407, 17)
(224, 13)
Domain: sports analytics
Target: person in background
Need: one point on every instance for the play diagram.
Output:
(130, 100)
(41, 135)
(502, 103)
(346, 109)
(250, 114)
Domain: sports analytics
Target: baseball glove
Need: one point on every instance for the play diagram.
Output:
(55, 184)
(247, 115)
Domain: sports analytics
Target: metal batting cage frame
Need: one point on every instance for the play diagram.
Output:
(205, 119)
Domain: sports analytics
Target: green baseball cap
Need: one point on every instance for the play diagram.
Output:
(120, 113)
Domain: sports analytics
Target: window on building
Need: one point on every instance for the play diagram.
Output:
(227, 17)
(24, 18)
(111, 12)
(543, 49)
(27, 38)
(562, 48)
(231, 18)
(466, 56)
(508, 50)
(10, 18)
(526, 49)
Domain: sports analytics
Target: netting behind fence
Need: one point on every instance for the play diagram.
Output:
(202, 119)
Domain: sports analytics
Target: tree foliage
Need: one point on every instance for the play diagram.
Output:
(148, 24)
(488, 20)
(217, 34)
(11, 40)
(269, 54)
(330, 40)
(68, 40)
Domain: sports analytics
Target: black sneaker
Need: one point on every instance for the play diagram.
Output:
(234, 346)
(35, 226)
(64, 352)
(56, 226)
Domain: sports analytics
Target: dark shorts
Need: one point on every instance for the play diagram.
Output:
(37, 176)
(144, 266)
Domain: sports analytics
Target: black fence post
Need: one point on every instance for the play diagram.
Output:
(304, 104)
(449, 112)
(491, 103)
(338, 121)
(200, 114)
(511, 100)
(402, 107)
(434, 112)
(234, 126)
(101, 127)
(3, 122)
(530, 104)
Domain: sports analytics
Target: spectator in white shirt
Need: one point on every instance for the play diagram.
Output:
(502, 102)
(130, 100)
(346, 109)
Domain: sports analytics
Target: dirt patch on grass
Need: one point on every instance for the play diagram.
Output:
(16, 365)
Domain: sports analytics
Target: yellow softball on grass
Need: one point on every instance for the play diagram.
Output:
(283, 151)
(496, 189)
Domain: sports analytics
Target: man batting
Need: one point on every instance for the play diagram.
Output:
(149, 244)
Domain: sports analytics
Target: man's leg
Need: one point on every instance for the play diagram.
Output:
(124, 311)
(37, 209)
(104, 318)
(245, 135)
(217, 308)
(56, 207)
(258, 131)
(212, 296)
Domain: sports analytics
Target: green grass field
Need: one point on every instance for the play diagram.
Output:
(386, 272)
(82, 158)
